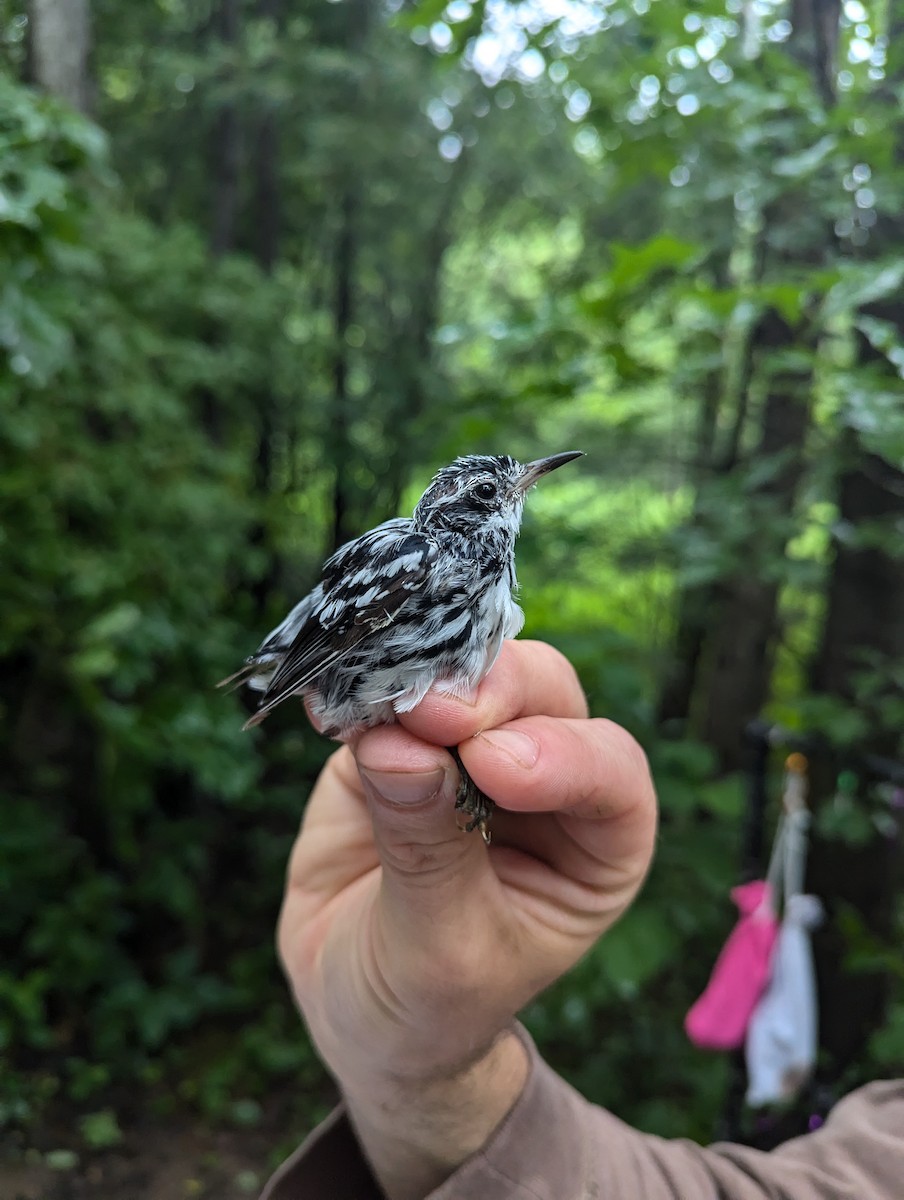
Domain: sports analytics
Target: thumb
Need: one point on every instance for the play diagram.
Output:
(429, 864)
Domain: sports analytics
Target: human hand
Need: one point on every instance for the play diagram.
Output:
(410, 946)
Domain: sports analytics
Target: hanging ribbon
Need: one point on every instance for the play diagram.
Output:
(719, 1019)
(782, 1037)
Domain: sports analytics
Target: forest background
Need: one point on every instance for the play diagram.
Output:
(264, 266)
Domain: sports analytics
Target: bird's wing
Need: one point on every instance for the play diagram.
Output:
(365, 585)
(255, 669)
(286, 631)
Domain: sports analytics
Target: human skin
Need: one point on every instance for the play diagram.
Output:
(410, 946)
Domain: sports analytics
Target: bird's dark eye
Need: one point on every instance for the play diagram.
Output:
(485, 491)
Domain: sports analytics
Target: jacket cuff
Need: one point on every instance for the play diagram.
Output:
(520, 1161)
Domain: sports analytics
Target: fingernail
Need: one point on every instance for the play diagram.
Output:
(404, 787)
(523, 749)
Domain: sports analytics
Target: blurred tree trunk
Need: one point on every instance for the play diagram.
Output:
(59, 45)
(265, 240)
(727, 632)
(698, 604)
(225, 158)
(265, 161)
(815, 41)
(227, 234)
(860, 658)
(741, 642)
(695, 601)
(864, 625)
(345, 265)
(723, 626)
(226, 140)
(339, 433)
(863, 634)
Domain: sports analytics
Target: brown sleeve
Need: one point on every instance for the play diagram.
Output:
(554, 1145)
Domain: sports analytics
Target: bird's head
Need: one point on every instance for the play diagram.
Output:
(482, 494)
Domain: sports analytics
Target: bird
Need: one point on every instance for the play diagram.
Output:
(416, 603)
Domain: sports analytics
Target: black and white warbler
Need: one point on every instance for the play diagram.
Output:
(418, 602)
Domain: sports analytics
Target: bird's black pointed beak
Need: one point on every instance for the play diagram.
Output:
(542, 466)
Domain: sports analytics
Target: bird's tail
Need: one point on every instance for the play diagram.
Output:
(256, 672)
(238, 678)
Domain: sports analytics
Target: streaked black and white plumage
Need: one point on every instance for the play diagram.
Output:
(418, 602)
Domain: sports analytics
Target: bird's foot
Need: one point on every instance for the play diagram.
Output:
(471, 801)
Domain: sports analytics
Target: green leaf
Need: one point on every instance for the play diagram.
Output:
(806, 162)
(861, 284)
(61, 1160)
(100, 1130)
(636, 265)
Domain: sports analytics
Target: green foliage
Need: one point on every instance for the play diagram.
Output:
(61, 1160)
(126, 505)
(100, 1130)
(887, 1043)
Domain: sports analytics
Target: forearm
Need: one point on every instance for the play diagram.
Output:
(416, 1136)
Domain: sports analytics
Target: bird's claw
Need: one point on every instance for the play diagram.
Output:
(470, 800)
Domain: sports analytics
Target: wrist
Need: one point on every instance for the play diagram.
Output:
(416, 1135)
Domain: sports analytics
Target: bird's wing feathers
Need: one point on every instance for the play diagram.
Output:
(285, 632)
(365, 585)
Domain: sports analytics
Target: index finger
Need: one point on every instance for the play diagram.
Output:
(528, 679)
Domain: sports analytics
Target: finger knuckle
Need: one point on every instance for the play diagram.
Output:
(421, 864)
(552, 662)
(624, 744)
